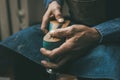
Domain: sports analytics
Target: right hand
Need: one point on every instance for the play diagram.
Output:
(54, 10)
(79, 40)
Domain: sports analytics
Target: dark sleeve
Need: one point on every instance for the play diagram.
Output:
(110, 31)
(49, 1)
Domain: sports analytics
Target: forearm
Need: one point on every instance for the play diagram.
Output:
(110, 31)
(49, 1)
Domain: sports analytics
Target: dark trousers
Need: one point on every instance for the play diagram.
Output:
(23, 68)
(102, 61)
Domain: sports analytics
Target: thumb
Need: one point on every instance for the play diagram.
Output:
(60, 33)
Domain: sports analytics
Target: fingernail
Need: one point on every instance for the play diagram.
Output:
(42, 49)
(61, 20)
(52, 32)
(43, 61)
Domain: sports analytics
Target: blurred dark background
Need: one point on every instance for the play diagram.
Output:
(16, 15)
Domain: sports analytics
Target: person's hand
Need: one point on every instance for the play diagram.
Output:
(54, 10)
(78, 38)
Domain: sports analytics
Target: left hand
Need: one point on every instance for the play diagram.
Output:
(53, 10)
(78, 38)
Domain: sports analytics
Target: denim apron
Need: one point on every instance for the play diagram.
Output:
(103, 61)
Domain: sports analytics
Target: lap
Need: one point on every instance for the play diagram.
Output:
(101, 62)
(28, 42)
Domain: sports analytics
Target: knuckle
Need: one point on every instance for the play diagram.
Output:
(83, 33)
(70, 46)
(73, 25)
(82, 26)
(51, 56)
(73, 28)
(56, 9)
(55, 66)
(58, 14)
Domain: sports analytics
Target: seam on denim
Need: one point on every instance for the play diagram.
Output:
(100, 32)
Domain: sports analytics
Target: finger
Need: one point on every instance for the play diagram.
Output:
(45, 21)
(45, 52)
(57, 65)
(60, 20)
(51, 16)
(58, 15)
(65, 47)
(63, 32)
(63, 60)
(48, 64)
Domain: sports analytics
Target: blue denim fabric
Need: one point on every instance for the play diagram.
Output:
(110, 31)
(26, 42)
(49, 1)
(101, 62)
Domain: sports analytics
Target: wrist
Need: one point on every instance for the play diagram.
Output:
(55, 1)
(48, 2)
(54, 4)
(97, 36)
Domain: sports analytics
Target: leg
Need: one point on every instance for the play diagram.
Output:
(26, 69)
(27, 57)
(28, 42)
(6, 63)
(23, 68)
(101, 63)
(71, 77)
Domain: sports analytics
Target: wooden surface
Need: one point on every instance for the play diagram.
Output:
(4, 27)
(14, 15)
(25, 15)
(4, 78)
